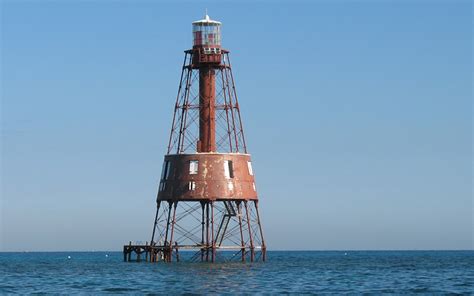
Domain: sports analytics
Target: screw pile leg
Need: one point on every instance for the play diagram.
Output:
(170, 204)
(264, 248)
(203, 223)
(156, 222)
(212, 231)
(242, 241)
(172, 232)
(207, 232)
(252, 250)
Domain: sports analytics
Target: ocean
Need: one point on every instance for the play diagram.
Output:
(293, 272)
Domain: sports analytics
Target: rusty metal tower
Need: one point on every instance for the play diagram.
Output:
(207, 200)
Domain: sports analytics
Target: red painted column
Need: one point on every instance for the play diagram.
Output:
(207, 110)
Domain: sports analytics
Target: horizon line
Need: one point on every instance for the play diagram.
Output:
(274, 250)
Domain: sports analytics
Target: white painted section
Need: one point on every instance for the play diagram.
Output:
(207, 20)
(249, 165)
(226, 169)
(193, 167)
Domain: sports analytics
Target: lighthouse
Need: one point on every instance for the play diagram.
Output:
(207, 206)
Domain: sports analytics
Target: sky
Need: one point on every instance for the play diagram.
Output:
(358, 116)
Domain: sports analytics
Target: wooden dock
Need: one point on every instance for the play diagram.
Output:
(146, 252)
(155, 253)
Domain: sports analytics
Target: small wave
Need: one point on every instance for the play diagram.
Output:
(7, 289)
(419, 290)
(118, 289)
(464, 285)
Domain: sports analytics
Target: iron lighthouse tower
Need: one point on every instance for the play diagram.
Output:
(207, 200)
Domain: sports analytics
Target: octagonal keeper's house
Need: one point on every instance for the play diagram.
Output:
(207, 176)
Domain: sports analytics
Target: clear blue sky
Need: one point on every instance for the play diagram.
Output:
(358, 116)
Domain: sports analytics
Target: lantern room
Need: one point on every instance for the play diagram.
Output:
(207, 33)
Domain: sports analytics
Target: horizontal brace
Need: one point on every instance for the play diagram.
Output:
(192, 67)
(219, 107)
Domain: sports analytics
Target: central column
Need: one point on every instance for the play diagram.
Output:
(207, 109)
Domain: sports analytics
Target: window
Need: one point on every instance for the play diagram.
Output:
(162, 186)
(228, 169)
(193, 167)
(192, 185)
(168, 170)
(165, 171)
(249, 165)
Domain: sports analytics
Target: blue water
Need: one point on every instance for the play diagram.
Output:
(284, 272)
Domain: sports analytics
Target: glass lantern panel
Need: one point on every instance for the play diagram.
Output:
(206, 34)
